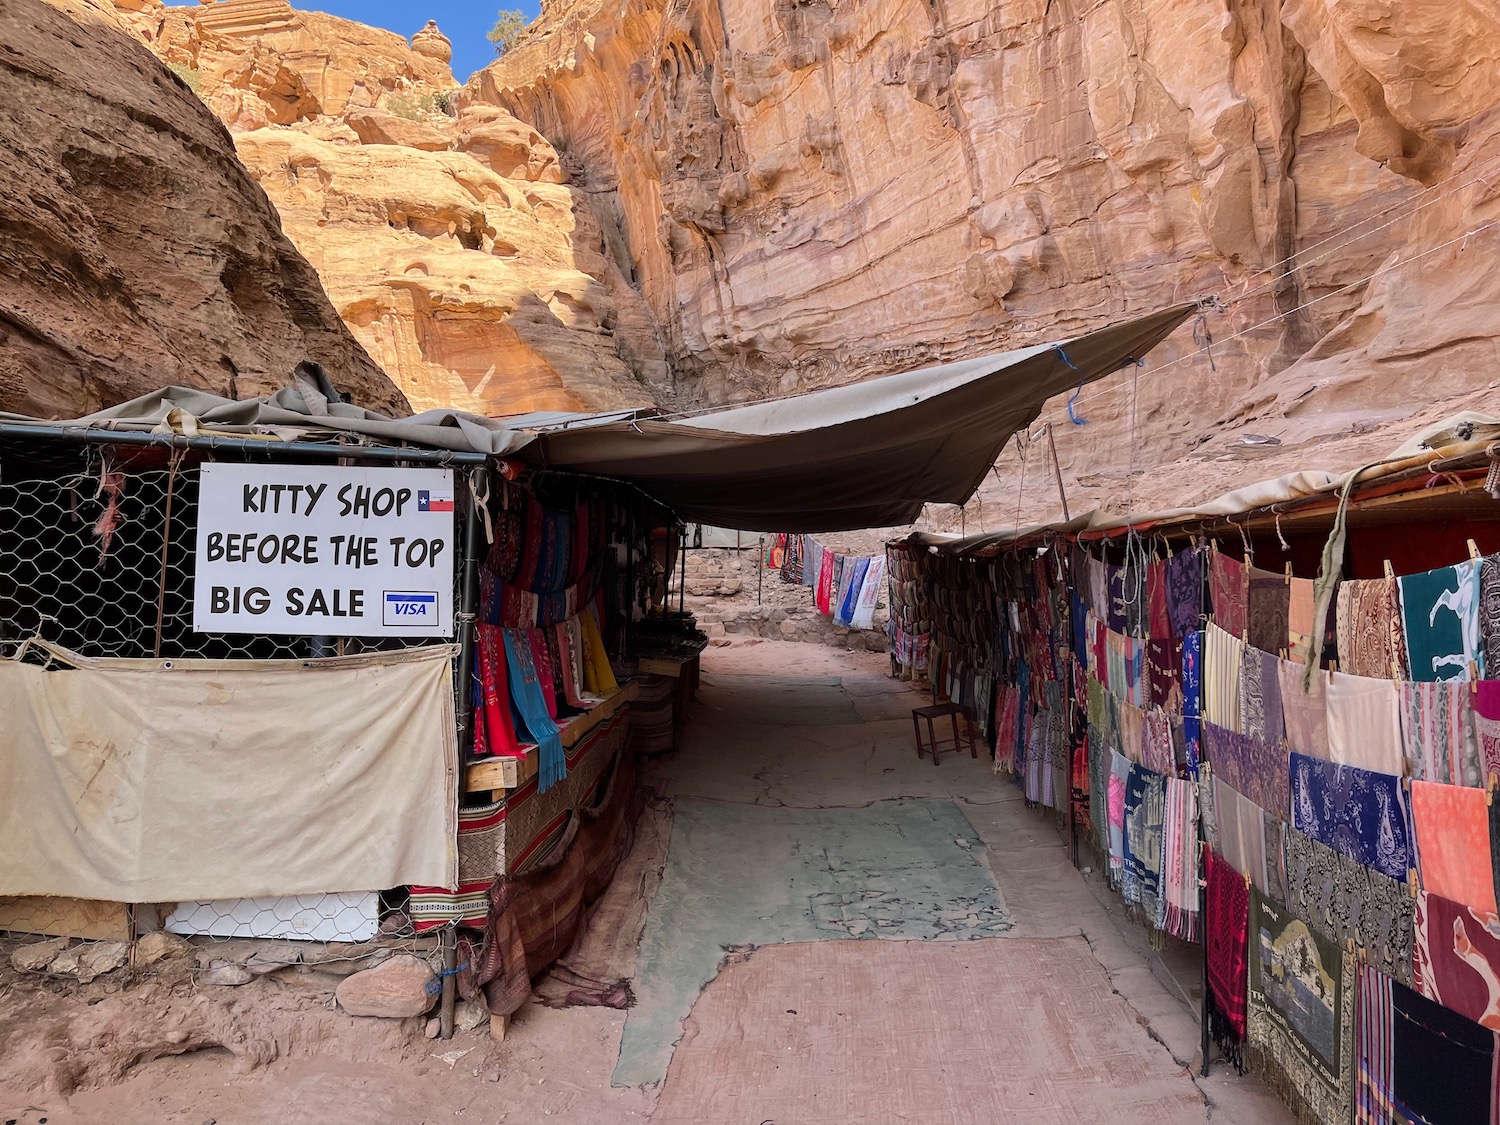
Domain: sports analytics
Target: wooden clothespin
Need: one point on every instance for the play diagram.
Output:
(1390, 574)
(1288, 574)
(1413, 881)
(1473, 550)
(1473, 678)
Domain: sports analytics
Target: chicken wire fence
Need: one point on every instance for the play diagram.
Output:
(96, 556)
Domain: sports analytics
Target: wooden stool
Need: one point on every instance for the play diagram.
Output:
(935, 746)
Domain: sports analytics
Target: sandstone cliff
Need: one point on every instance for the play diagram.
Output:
(135, 251)
(452, 244)
(808, 192)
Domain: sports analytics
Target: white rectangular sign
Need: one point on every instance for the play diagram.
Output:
(312, 551)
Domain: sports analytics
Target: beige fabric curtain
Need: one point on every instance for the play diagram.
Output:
(161, 781)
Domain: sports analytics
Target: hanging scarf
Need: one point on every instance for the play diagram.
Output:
(1119, 775)
(825, 583)
(1440, 613)
(1452, 828)
(1226, 932)
(494, 733)
(1359, 813)
(548, 671)
(1260, 696)
(1184, 582)
(1267, 610)
(857, 570)
(870, 590)
(526, 692)
(1180, 861)
(1226, 582)
(1438, 734)
(1192, 699)
(569, 641)
(598, 676)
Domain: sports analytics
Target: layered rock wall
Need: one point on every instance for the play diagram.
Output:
(451, 243)
(135, 250)
(808, 192)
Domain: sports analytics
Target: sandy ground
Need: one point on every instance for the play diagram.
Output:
(1067, 1016)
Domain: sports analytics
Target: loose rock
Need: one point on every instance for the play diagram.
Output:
(403, 986)
(227, 974)
(468, 1015)
(37, 956)
(159, 946)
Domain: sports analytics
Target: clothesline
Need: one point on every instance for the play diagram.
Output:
(847, 588)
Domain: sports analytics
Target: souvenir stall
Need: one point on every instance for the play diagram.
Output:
(1285, 695)
(468, 758)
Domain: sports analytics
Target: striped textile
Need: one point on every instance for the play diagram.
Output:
(1180, 861)
(1373, 1093)
(1223, 654)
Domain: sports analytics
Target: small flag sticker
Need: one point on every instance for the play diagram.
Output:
(434, 501)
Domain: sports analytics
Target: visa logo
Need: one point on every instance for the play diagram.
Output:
(406, 607)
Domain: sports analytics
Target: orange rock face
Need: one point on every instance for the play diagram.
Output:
(135, 250)
(812, 193)
(451, 243)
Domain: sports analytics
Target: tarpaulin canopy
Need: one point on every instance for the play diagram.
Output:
(869, 454)
(865, 455)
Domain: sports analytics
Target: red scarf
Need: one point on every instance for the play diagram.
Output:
(1227, 930)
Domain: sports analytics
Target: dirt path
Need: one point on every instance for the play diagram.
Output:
(842, 933)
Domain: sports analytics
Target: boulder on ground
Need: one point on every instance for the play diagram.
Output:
(403, 986)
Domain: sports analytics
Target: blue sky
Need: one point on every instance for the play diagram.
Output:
(465, 22)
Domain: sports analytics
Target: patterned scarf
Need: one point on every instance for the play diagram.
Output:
(1438, 733)
(1259, 770)
(1456, 957)
(1192, 698)
(1156, 743)
(1260, 696)
(494, 733)
(1145, 823)
(1360, 814)
(1346, 901)
(1489, 612)
(1184, 580)
(1487, 726)
(1226, 586)
(1119, 776)
(1226, 930)
(1440, 611)
(1368, 625)
(1269, 604)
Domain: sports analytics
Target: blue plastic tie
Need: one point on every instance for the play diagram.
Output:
(1072, 414)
